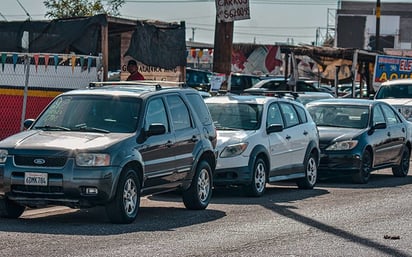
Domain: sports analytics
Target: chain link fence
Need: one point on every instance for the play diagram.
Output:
(28, 82)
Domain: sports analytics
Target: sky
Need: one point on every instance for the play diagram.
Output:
(271, 21)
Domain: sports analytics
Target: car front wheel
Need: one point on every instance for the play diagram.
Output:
(257, 186)
(125, 204)
(311, 174)
(403, 168)
(364, 173)
(197, 196)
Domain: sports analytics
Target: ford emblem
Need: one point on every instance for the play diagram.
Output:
(39, 161)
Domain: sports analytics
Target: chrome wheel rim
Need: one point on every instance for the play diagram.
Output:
(203, 185)
(260, 177)
(130, 196)
(311, 171)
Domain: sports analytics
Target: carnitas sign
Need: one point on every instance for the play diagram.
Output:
(232, 10)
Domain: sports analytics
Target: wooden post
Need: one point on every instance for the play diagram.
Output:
(105, 51)
(222, 56)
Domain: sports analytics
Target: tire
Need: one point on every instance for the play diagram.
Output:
(403, 168)
(257, 187)
(10, 209)
(198, 195)
(311, 174)
(364, 173)
(124, 207)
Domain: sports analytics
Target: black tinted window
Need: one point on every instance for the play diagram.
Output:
(197, 103)
(179, 111)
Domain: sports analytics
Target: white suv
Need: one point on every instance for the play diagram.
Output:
(263, 140)
(397, 93)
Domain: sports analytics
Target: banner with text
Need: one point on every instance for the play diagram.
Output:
(391, 67)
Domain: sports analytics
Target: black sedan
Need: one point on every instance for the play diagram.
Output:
(358, 136)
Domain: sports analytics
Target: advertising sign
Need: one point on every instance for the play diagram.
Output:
(232, 10)
(391, 67)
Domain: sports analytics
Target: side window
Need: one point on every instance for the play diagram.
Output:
(156, 113)
(289, 114)
(197, 103)
(274, 115)
(391, 116)
(302, 114)
(180, 113)
(378, 116)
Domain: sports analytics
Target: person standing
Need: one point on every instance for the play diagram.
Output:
(134, 73)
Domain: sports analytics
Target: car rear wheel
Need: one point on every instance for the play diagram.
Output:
(258, 185)
(311, 174)
(364, 173)
(10, 209)
(197, 197)
(403, 168)
(125, 204)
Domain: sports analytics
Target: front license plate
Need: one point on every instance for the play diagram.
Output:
(35, 179)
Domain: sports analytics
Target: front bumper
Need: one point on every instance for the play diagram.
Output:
(339, 163)
(233, 176)
(68, 185)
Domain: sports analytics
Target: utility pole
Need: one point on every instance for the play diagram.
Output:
(378, 24)
(222, 56)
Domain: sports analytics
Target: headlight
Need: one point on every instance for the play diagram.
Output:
(92, 159)
(3, 155)
(233, 150)
(343, 145)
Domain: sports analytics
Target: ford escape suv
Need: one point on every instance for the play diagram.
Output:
(109, 145)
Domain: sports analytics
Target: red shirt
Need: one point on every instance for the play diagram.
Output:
(135, 76)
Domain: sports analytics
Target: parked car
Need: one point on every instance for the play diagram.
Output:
(397, 93)
(267, 86)
(239, 82)
(306, 97)
(108, 146)
(263, 140)
(358, 136)
(198, 79)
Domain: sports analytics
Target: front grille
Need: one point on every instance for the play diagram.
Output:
(39, 161)
(36, 189)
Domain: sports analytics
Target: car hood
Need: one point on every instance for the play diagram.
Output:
(397, 101)
(230, 137)
(58, 140)
(327, 135)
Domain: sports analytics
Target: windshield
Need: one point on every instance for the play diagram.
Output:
(90, 113)
(345, 116)
(394, 91)
(236, 115)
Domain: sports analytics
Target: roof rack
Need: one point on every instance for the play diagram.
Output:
(279, 94)
(158, 84)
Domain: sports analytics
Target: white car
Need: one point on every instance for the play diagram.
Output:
(263, 140)
(397, 93)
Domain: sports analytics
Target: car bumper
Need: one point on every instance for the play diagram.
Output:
(339, 163)
(232, 176)
(69, 186)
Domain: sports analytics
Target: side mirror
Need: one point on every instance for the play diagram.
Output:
(27, 123)
(274, 128)
(380, 125)
(156, 129)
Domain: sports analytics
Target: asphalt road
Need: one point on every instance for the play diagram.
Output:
(337, 218)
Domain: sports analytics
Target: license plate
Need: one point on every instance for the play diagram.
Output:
(35, 179)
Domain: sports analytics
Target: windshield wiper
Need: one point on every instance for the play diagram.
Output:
(48, 127)
(84, 127)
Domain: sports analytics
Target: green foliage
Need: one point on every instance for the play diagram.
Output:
(58, 9)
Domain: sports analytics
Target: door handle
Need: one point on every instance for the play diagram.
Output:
(194, 139)
(288, 137)
(169, 143)
(305, 133)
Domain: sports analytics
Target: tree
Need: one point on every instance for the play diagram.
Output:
(58, 9)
